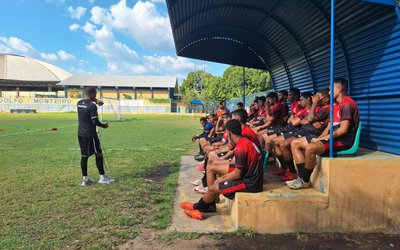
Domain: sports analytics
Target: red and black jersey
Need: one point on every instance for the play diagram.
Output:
(249, 134)
(248, 160)
(295, 107)
(322, 114)
(279, 112)
(260, 112)
(346, 110)
(303, 113)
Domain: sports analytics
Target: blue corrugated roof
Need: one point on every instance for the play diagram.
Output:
(291, 39)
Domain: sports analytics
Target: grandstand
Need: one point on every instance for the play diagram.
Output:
(122, 87)
(24, 77)
(29, 85)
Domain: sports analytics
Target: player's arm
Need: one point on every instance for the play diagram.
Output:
(229, 154)
(234, 175)
(95, 118)
(312, 117)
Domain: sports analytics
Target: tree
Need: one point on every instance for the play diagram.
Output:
(206, 87)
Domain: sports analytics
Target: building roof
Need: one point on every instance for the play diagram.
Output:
(121, 81)
(14, 69)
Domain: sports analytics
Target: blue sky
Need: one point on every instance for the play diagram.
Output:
(96, 36)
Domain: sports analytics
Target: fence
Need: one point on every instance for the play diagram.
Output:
(69, 105)
(231, 104)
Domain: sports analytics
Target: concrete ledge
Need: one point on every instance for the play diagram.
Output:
(349, 194)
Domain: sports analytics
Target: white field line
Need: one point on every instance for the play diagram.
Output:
(33, 131)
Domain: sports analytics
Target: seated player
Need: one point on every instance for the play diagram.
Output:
(259, 118)
(207, 127)
(345, 125)
(294, 123)
(222, 109)
(276, 112)
(253, 109)
(293, 97)
(282, 98)
(246, 175)
(312, 126)
(240, 105)
(87, 136)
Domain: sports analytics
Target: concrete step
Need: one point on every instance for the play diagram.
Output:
(349, 194)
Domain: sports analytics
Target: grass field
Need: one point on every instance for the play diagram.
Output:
(42, 204)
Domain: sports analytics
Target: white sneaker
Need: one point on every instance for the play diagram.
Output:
(297, 184)
(88, 182)
(106, 180)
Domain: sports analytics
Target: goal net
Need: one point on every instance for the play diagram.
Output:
(114, 110)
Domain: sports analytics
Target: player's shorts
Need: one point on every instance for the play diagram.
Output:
(229, 188)
(89, 145)
(299, 134)
(231, 168)
(338, 145)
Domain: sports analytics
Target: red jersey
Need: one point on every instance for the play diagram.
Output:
(248, 159)
(295, 107)
(249, 134)
(347, 110)
(260, 112)
(279, 112)
(303, 113)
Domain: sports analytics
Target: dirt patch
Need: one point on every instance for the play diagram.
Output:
(150, 241)
(159, 174)
(286, 241)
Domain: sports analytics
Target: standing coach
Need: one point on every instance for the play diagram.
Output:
(87, 136)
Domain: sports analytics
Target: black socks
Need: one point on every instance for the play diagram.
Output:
(282, 161)
(84, 161)
(304, 173)
(100, 165)
(290, 165)
(204, 207)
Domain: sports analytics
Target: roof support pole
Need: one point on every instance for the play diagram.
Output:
(244, 87)
(332, 72)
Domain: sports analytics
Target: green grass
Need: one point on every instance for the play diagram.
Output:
(42, 205)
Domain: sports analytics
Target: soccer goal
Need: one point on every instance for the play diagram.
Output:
(114, 110)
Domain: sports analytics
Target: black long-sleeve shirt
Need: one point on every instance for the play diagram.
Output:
(87, 118)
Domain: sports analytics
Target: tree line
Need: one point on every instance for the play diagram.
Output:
(200, 85)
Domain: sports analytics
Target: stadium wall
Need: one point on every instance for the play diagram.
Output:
(69, 105)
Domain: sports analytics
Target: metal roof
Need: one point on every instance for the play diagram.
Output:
(121, 81)
(291, 39)
(14, 69)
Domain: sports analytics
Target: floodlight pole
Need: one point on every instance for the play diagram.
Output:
(332, 72)
(244, 87)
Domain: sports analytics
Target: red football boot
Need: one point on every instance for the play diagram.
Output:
(289, 176)
(187, 205)
(195, 214)
(281, 172)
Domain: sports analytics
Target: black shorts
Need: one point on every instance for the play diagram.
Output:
(89, 145)
(298, 134)
(229, 188)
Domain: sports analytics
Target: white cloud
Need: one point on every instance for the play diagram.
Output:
(65, 56)
(76, 13)
(170, 63)
(15, 45)
(143, 22)
(74, 27)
